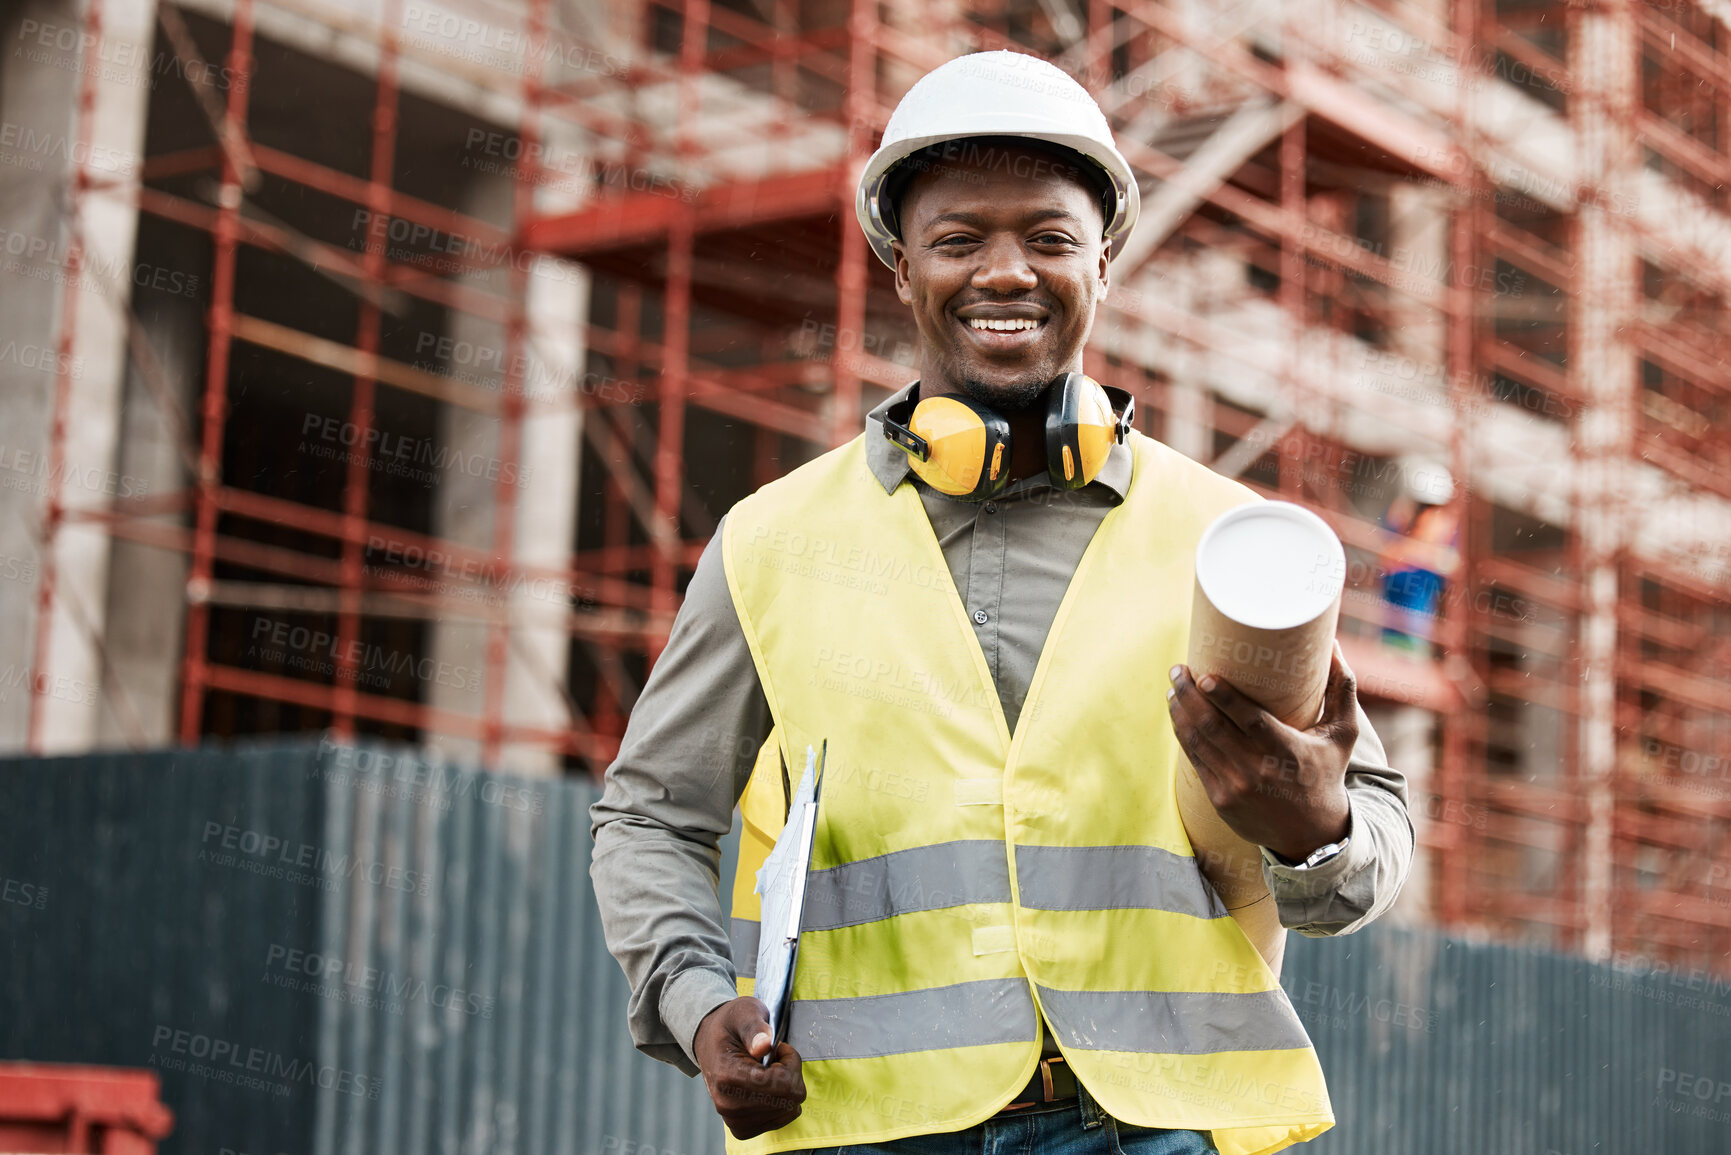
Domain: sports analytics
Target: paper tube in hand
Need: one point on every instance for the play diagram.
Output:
(1268, 584)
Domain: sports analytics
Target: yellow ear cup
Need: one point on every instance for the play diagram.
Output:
(1096, 432)
(957, 438)
(1081, 428)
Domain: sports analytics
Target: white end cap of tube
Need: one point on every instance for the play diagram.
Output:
(1270, 565)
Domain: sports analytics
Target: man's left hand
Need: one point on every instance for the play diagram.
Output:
(1275, 785)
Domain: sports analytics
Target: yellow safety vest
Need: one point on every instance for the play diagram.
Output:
(965, 880)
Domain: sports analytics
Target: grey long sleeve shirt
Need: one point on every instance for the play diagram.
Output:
(694, 734)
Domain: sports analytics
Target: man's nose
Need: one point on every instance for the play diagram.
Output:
(1004, 268)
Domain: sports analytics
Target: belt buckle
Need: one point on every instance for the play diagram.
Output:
(1046, 1076)
(1048, 1094)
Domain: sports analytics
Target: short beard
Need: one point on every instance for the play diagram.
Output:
(1016, 397)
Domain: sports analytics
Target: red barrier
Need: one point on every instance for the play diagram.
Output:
(50, 1107)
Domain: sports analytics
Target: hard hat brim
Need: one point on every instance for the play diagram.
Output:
(869, 210)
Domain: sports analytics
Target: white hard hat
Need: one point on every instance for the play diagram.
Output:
(1426, 479)
(996, 94)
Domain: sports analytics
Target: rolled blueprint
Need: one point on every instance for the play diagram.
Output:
(1269, 577)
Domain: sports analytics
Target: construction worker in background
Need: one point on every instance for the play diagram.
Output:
(982, 604)
(1420, 556)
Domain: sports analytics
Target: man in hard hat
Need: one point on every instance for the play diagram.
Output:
(1419, 558)
(981, 604)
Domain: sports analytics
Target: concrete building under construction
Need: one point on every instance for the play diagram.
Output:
(384, 365)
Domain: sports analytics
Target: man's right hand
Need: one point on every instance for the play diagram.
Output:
(751, 1098)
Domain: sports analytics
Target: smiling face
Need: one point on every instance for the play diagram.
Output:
(1002, 260)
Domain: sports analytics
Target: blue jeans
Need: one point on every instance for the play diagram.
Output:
(1081, 1128)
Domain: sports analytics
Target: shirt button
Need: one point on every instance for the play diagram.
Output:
(981, 617)
(991, 507)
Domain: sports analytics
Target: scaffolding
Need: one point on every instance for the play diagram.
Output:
(1457, 231)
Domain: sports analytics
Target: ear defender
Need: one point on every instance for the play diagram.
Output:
(1082, 426)
(961, 448)
(954, 444)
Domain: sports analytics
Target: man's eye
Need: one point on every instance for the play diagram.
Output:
(1053, 239)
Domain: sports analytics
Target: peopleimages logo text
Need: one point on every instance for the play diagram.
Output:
(263, 1063)
(257, 844)
(364, 656)
(332, 974)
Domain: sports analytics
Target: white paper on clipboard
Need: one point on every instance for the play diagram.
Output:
(781, 888)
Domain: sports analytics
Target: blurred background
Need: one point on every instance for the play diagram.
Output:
(374, 371)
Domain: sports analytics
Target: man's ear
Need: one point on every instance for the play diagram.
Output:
(1105, 262)
(904, 286)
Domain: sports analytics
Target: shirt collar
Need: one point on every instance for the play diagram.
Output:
(889, 463)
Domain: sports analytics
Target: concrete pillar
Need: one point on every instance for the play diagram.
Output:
(1187, 428)
(1185, 77)
(463, 501)
(1418, 239)
(545, 507)
(1602, 359)
(41, 141)
(146, 603)
(36, 98)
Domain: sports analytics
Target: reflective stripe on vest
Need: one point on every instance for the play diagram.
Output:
(920, 878)
(963, 1015)
(1174, 1022)
(1114, 878)
(965, 881)
(742, 935)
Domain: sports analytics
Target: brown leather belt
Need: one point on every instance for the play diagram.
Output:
(1053, 1082)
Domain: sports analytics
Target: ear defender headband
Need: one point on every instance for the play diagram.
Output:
(961, 448)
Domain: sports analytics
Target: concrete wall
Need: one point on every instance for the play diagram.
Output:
(51, 240)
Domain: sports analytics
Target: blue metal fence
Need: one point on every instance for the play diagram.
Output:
(1433, 1045)
(326, 950)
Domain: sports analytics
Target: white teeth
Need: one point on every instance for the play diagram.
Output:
(1004, 326)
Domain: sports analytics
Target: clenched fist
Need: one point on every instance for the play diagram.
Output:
(750, 1098)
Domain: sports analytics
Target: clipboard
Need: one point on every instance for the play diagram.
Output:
(781, 887)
